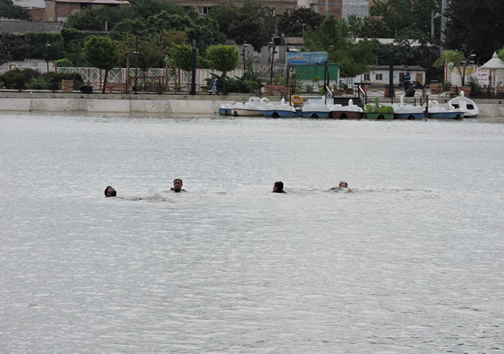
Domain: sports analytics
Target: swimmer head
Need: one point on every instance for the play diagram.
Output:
(110, 192)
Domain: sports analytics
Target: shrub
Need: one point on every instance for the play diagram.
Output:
(447, 86)
(63, 63)
(37, 84)
(14, 79)
(54, 79)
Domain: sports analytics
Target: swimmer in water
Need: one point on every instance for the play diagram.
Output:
(278, 187)
(343, 186)
(110, 192)
(177, 185)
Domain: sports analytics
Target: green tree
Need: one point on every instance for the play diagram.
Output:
(477, 25)
(143, 9)
(458, 59)
(223, 58)
(101, 52)
(224, 13)
(251, 23)
(9, 10)
(47, 46)
(353, 58)
(14, 47)
(94, 19)
(181, 55)
(128, 27)
(408, 17)
(293, 25)
(204, 29)
(368, 27)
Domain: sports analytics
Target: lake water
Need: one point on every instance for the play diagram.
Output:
(410, 262)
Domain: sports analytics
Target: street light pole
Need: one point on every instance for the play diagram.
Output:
(193, 78)
(244, 47)
(272, 47)
(326, 69)
(46, 54)
(391, 73)
(136, 65)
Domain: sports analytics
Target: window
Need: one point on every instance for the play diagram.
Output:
(379, 77)
(204, 10)
(366, 77)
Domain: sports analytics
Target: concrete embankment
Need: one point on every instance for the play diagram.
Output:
(151, 103)
(112, 103)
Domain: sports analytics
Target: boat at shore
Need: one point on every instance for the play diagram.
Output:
(279, 110)
(254, 107)
(316, 108)
(435, 111)
(351, 111)
(407, 111)
(468, 106)
(379, 112)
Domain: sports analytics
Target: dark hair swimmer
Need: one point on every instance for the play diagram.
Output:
(110, 192)
(278, 187)
(177, 185)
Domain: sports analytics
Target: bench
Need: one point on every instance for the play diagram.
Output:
(115, 86)
(455, 91)
(272, 89)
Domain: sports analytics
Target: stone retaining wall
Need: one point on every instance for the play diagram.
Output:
(182, 104)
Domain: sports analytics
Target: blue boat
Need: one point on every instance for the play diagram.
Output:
(435, 111)
(316, 108)
(224, 111)
(276, 113)
(279, 110)
(315, 114)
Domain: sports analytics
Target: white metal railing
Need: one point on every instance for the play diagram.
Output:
(95, 77)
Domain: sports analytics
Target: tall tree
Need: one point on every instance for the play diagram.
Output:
(368, 27)
(329, 37)
(293, 25)
(477, 25)
(9, 10)
(102, 53)
(181, 55)
(250, 29)
(458, 58)
(251, 23)
(48, 46)
(223, 58)
(146, 8)
(224, 13)
(14, 47)
(97, 19)
(409, 18)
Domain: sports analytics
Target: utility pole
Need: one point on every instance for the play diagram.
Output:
(443, 25)
(391, 73)
(193, 76)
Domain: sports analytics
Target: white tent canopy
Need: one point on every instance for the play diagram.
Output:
(494, 63)
(496, 67)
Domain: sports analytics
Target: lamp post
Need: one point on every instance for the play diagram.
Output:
(326, 70)
(272, 49)
(391, 73)
(136, 65)
(244, 47)
(46, 54)
(193, 77)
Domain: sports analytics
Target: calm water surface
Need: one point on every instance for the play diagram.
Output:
(410, 262)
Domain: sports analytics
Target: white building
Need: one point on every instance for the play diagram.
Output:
(379, 74)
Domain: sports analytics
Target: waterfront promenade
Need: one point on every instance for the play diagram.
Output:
(13, 101)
